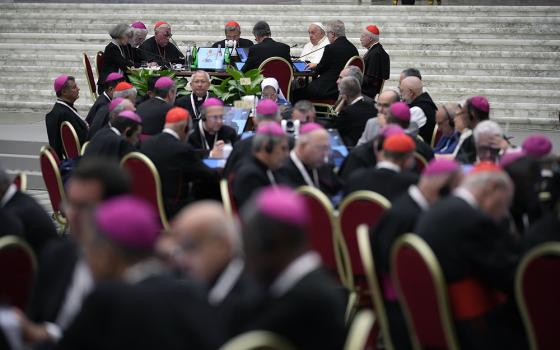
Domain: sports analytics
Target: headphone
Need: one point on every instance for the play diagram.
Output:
(451, 121)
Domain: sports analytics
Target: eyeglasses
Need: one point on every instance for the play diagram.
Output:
(382, 105)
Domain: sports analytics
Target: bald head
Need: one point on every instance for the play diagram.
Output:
(385, 100)
(313, 148)
(411, 87)
(208, 239)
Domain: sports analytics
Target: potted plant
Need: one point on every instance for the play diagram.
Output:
(139, 78)
(237, 85)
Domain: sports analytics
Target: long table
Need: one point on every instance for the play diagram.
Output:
(223, 74)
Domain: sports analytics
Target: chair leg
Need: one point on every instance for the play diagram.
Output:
(352, 306)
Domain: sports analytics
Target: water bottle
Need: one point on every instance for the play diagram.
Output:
(194, 57)
(226, 56)
(188, 58)
(219, 63)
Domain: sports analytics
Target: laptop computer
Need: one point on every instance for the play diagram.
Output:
(300, 66)
(236, 118)
(239, 65)
(243, 54)
(210, 58)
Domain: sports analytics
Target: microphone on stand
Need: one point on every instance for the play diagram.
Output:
(163, 59)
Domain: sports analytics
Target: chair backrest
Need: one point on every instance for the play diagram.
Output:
(374, 284)
(422, 293)
(324, 238)
(21, 181)
(53, 181)
(281, 70)
(99, 62)
(360, 330)
(537, 290)
(84, 147)
(356, 61)
(436, 135)
(70, 140)
(17, 271)
(420, 162)
(360, 207)
(227, 198)
(145, 181)
(257, 340)
(89, 76)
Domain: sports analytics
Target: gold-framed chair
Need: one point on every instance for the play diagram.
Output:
(257, 340)
(20, 180)
(99, 62)
(421, 286)
(53, 182)
(436, 135)
(281, 70)
(355, 61)
(89, 76)
(227, 199)
(70, 140)
(360, 330)
(364, 244)
(84, 146)
(18, 265)
(536, 292)
(420, 162)
(146, 182)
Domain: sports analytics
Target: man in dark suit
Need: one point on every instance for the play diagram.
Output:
(376, 60)
(269, 151)
(134, 304)
(105, 98)
(200, 83)
(109, 112)
(422, 107)
(265, 47)
(306, 165)
(210, 134)
(438, 179)
(233, 32)
(62, 269)
(154, 110)
(476, 253)
(300, 303)
(67, 92)
(352, 118)
(335, 57)
(38, 228)
(119, 139)
(176, 162)
(389, 178)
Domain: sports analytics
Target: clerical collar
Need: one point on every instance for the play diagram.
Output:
(160, 98)
(467, 196)
(357, 99)
(295, 272)
(9, 194)
(143, 270)
(194, 104)
(172, 133)
(388, 165)
(106, 96)
(418, 197)
(205, 143)
(115, 130)
(304, 172)
(226, 281)
(373, 45)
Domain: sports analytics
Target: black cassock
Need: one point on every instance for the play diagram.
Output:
(267, 48)
(153, 113)
(361, 157)
(107, 144)
(327, 181)
(377, 68)
(179, 168)
(427, 105)
(150, 51)
(102, 100)
(251, 176)
(386, 182)
(115, 59)
(100, 121)
(61, 112)
(352, 120)
(467, 152)
(204, 144)
(192, 104)
(243, 43)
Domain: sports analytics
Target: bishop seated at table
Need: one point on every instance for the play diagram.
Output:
(200, 83)
(233, 32)
(158, 49)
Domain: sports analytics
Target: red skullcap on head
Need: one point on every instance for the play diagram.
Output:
(176, 115)
(440, 166)
(484, 167)
(128, 221)
(283, 204)
(373, 29)
(232, 24)
(164, 82)
(162, 24)
(400, 143)
(59, 83)
(123, 85)
(480, 103)
(537, 145)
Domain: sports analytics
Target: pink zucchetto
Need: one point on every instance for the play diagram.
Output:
(128, 221)
(114, 76)
(309, 127)
(138, 25)
(391, 129)
(283, 204)
(212, 102)
(537, 145)
(267, 107)
(480, 103)
(163, 83)
(272, 129)
(400, 110)
(440, 167)
(114, 103)
(511, 157)
(59, 83)
(131, 115)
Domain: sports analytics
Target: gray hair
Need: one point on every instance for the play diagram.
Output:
(120, 30)
(412, 72)
(261, 29)
(125, 93)
(203, 72)
(350, 87)
(304, 106)
(355, 72)
(480, 180)
(487, 127)
(336, 27)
